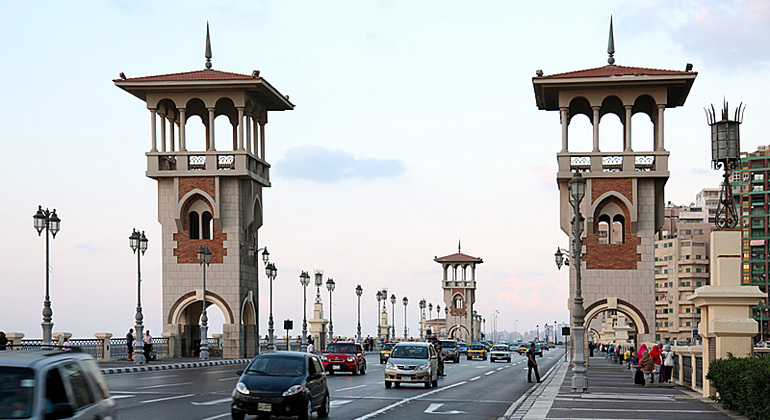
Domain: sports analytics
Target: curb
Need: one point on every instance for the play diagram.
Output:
(188, 365)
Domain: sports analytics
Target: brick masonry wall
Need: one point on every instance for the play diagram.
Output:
(205, 184)
(612, 256)
(624, 186)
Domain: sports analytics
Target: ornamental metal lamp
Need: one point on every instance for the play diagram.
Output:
(271, 271)
(204, 258)
(379, 320)
(330, 288)
(359, 292)
(138, 242)
(304, 280)
(393, 316)
(405, 301)
(422, 304)
(577, 189)
(725, 154)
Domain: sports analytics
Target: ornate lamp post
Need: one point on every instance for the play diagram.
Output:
(438, 320)
(51, 223)
(330, 288)
(446, 320)
(725, 153)
(537, 332)
(422, 319)
(393, 315)
(577, 187)
(204, 258)
(359, 292)
(405, 301)
(138, 241)
(430, 315)
(253, 252)
(304, 280)
(554, 332)
(272, 272)
(379, 318)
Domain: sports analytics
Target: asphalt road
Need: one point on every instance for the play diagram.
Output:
(472, 389)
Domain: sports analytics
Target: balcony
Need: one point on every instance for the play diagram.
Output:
(634, 164)
(211, 163)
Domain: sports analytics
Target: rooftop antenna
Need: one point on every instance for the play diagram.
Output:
(611, 45)
(208, 47)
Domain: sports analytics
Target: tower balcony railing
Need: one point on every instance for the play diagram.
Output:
(208, 163)
(638, 164)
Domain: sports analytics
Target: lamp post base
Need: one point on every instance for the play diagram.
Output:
(579, 378)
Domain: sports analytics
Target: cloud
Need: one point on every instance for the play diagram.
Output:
(331, 166)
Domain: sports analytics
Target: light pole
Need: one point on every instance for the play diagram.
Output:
(204, 258)
(537, 332)
(379, 316)
(438, 320)
(577, 187)
(554, 332)
(446, 320)
(359, 292)
(422, 319)
(265, 259)
(515, 327)
(430, 316)
(393, 315)
(138, 241)
(51, 223)
(271, 271)
(304, 280)
(330, 288)
(405, 301)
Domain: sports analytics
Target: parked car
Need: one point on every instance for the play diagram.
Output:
(538, 350)
(477, 351)
(450, 350)
(344, 356)
(500, 352)
(282, 383)
(412, 362)
(53, 385)
(385, 352)
(463, 347)
(515, 346)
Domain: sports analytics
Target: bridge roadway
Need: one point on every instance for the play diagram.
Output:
(472, 389)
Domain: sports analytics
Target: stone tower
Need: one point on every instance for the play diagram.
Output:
(624, 204)
(459, 285)
(209, 194)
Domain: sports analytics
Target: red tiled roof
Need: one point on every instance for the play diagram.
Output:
(607, 71)
(189, 76)
(458, 257)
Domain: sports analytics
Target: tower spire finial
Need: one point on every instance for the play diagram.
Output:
(458, 246)
(611, 45)
(208, 47)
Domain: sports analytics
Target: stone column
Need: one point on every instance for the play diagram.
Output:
(627, 137)
(210, 145)
(153, 129)
(14, 340)
(659, 129)
(173, 344)
(564, 129)
(240, 128)
(596, 127)
(262, 123)
(182, 124)
(162, 131)
(106, 344)
(318, 326)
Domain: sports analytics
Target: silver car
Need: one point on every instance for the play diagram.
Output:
(412, 363)
(500, 352)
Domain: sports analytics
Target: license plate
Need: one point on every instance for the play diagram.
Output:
(335, 367)
(264, 407)
(406, 377)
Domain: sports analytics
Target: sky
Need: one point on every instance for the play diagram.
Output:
(415, 127)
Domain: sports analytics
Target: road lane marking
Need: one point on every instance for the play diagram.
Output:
(165, 385)
(215, 402)
(148, 378)
(214, 372)
(499, 368)
(226, 379)
(476, 378)
(435, 406)
(339, 402)
(489, 373)
(406, 400)
(350, 387)
(167, 398)
(122, 396)
(217, 417)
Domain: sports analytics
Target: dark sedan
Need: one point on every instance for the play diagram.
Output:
(282, 384)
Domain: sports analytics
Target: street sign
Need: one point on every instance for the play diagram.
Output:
(288, 324)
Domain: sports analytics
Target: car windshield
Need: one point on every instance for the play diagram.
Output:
(17, 386)
(276, 365)
(388, 346)
(500, 348)
(409, 352)
(341, 348)
(449, 344)
(477, 347)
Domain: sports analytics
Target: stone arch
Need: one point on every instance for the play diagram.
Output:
(458, 327)
(192, 195)
(254, 218)
(248, 311)
(580, 105)
(599, 202)
(627, 308)
(175, 314)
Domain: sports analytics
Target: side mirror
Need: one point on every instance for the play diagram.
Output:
(239, 372)
(315, 376)
(60, 411)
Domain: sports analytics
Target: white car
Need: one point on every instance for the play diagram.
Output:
(500, 352)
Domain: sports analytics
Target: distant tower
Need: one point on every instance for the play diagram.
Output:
(624, 204)
(209, 196)
(459, 284)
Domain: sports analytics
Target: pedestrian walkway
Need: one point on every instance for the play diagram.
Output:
(613, 395)
(127, 366)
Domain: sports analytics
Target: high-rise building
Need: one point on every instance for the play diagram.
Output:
(681, 266)
(750, 191)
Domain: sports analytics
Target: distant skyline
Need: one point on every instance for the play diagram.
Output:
(415, 127)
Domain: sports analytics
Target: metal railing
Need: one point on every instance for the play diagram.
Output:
(92, 346)
(699, 371)
(687, 371)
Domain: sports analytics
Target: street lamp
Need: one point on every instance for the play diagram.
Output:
(438, 320)
(379, 317)
(359, 292)
(537, 332)
(422, 318)
(51, 223)
(430, 315)
(393, 315)
(562, 257)
(554, 332)
(725, 153)
(253, 252)
(330, 288)
(304, 280)
(138, 241)
(577, 187)
(405, 301)
(446, 320)
(204, 258)
(271, 271)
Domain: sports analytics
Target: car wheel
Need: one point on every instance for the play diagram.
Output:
(388, 384)
(323, 410)
(363, 369)
(469, 358)
(435, 381)
(397, 384)
(355, 370)
(508, 360)
(429, 383)
(237, 415)
(308, 413)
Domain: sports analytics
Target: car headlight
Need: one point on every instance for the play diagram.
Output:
(351, 359)
(323, 358)
(293, 390)
(241, 387)
(390, 366)
(424, 367)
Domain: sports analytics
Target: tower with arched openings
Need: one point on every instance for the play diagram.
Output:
(624, 195)
(459, 285)
(209, 193)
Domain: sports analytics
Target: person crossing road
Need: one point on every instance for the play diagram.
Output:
(532, 364)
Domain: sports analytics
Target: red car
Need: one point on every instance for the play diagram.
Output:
(345, 356)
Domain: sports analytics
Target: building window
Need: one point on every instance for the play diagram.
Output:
(194, 225)
(697, 256)
(698, 283)
(698, 269)
(687, 323)
(687, 270)
(458, 302)
(201, 223)
(698, 231)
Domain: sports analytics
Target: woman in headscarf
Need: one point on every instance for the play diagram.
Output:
(655, 355)
(640, 353)
(646, 366)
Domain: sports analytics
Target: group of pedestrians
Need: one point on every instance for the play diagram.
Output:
(146, 345)
(658, 361)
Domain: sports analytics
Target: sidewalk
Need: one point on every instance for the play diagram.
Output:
(613, 395)
(127, 366)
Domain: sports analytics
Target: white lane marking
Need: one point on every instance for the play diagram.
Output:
(215, 402)
(499, 368)
(406, 400)
(339, 402)
(489, 373)
(122, 396)
(164, 385)
(214, 372)
(227, 379)
(167, 398)
(476, 378)
(480, 367)
(149, 378)
(435, 406)
(350, 387)
(217, 417)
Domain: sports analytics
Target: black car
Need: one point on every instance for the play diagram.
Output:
(283, 383)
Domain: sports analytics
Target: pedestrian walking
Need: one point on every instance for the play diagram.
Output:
(147, 341)
(655, 354)
(3, 340)
(130, 343)
(310, 347)
(646, 366)
(668, 364)
(591, 347)
(532, 364)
